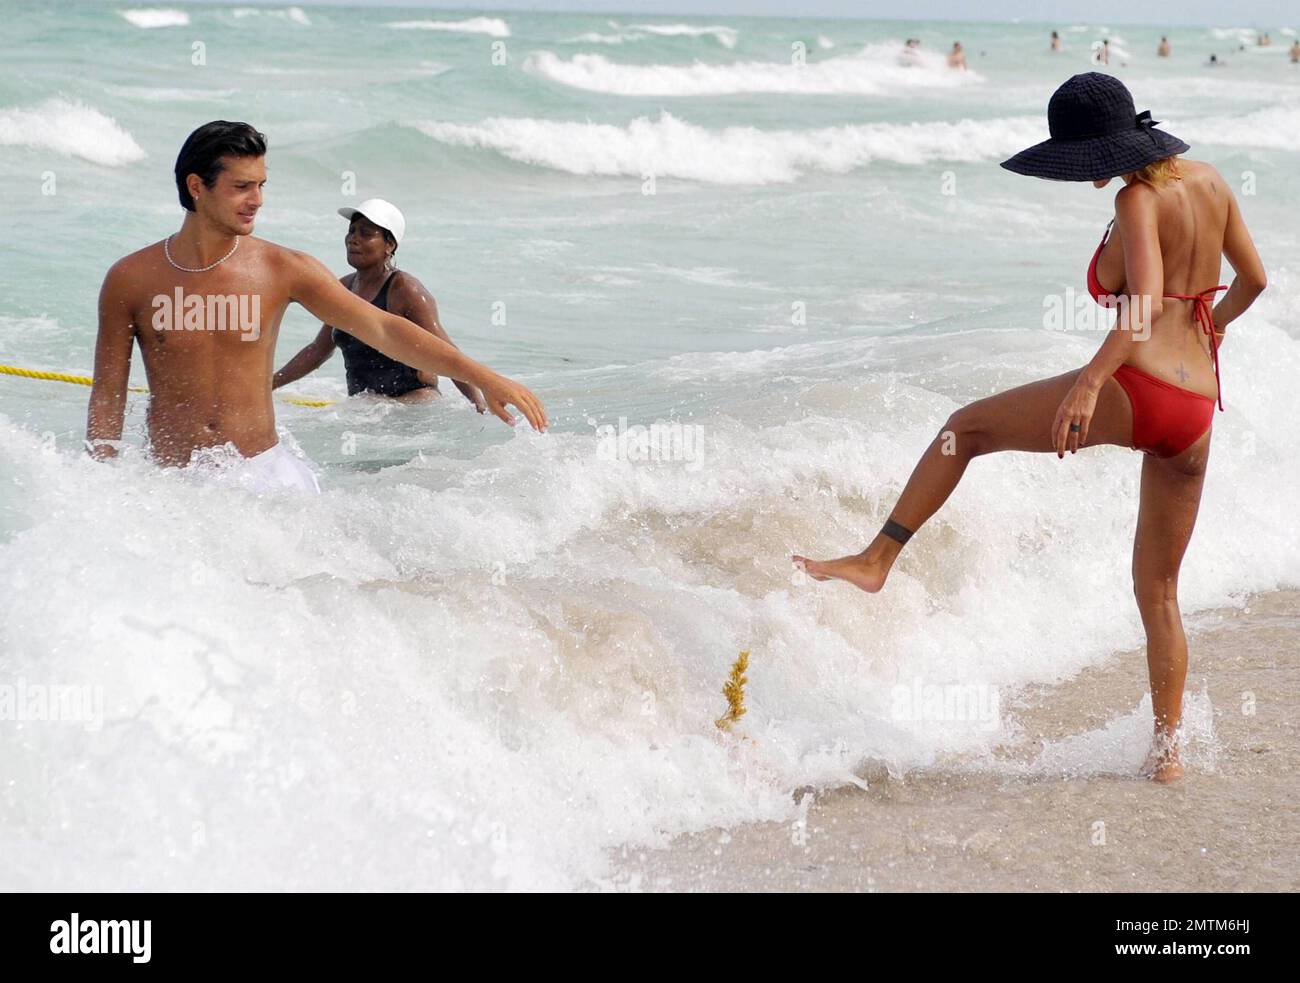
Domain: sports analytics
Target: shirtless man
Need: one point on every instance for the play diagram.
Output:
(205, 307)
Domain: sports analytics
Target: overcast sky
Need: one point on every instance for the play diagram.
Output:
(1225, 13)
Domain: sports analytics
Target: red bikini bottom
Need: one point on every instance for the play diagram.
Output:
(1167, 419)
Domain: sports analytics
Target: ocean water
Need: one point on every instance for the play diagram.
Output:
(486, 658)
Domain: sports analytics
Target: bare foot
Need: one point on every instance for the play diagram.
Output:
(1169, 771)
(1162, 764)
(858, 570)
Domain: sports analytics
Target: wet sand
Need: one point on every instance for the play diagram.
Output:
(1019, 821)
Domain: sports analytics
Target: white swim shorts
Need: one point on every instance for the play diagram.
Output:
(274, 469)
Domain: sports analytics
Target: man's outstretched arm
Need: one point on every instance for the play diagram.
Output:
(112, 368)
(317, 289)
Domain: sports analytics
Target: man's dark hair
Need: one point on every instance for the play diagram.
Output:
(203, 149)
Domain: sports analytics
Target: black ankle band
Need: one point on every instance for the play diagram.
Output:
(900, 534)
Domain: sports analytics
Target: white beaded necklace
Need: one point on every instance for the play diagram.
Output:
(203, 269)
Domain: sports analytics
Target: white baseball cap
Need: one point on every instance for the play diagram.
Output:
(384, 214)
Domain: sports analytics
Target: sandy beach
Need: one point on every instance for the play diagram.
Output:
(1010, 824)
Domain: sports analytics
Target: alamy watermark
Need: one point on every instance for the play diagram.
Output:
(23, 701)
(180, 311)
(659, 442)
(1075, 311)
(106, 936)
(923, 701)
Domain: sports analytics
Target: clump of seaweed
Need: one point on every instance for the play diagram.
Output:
(734, 690)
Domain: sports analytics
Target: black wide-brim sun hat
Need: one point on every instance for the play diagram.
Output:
(1096, 133)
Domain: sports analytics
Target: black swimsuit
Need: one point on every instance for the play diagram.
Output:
(371, 370)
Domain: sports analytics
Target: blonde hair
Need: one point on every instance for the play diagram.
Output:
(1160, 172)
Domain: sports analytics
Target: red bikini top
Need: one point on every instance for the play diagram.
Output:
(1099, 293)
(1202, 311)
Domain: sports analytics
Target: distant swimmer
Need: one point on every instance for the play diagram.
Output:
(205, 305)
(1162, 49)
(1152, 386)
(910, 53)
(375, 230)
(1056, 41)
(1102, 54)
(1295, 52)
(1264, 40)
(957, 57)
(1214, 62)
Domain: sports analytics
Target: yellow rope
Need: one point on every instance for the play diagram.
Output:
(306, 402)
(85, 380)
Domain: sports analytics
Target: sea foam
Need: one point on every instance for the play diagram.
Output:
(70, 128)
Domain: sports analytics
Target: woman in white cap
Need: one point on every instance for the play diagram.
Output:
(375, 230)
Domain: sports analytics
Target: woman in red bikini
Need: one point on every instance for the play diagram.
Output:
(1153, 384)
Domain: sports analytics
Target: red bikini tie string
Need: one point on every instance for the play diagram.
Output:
(1204, 315)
